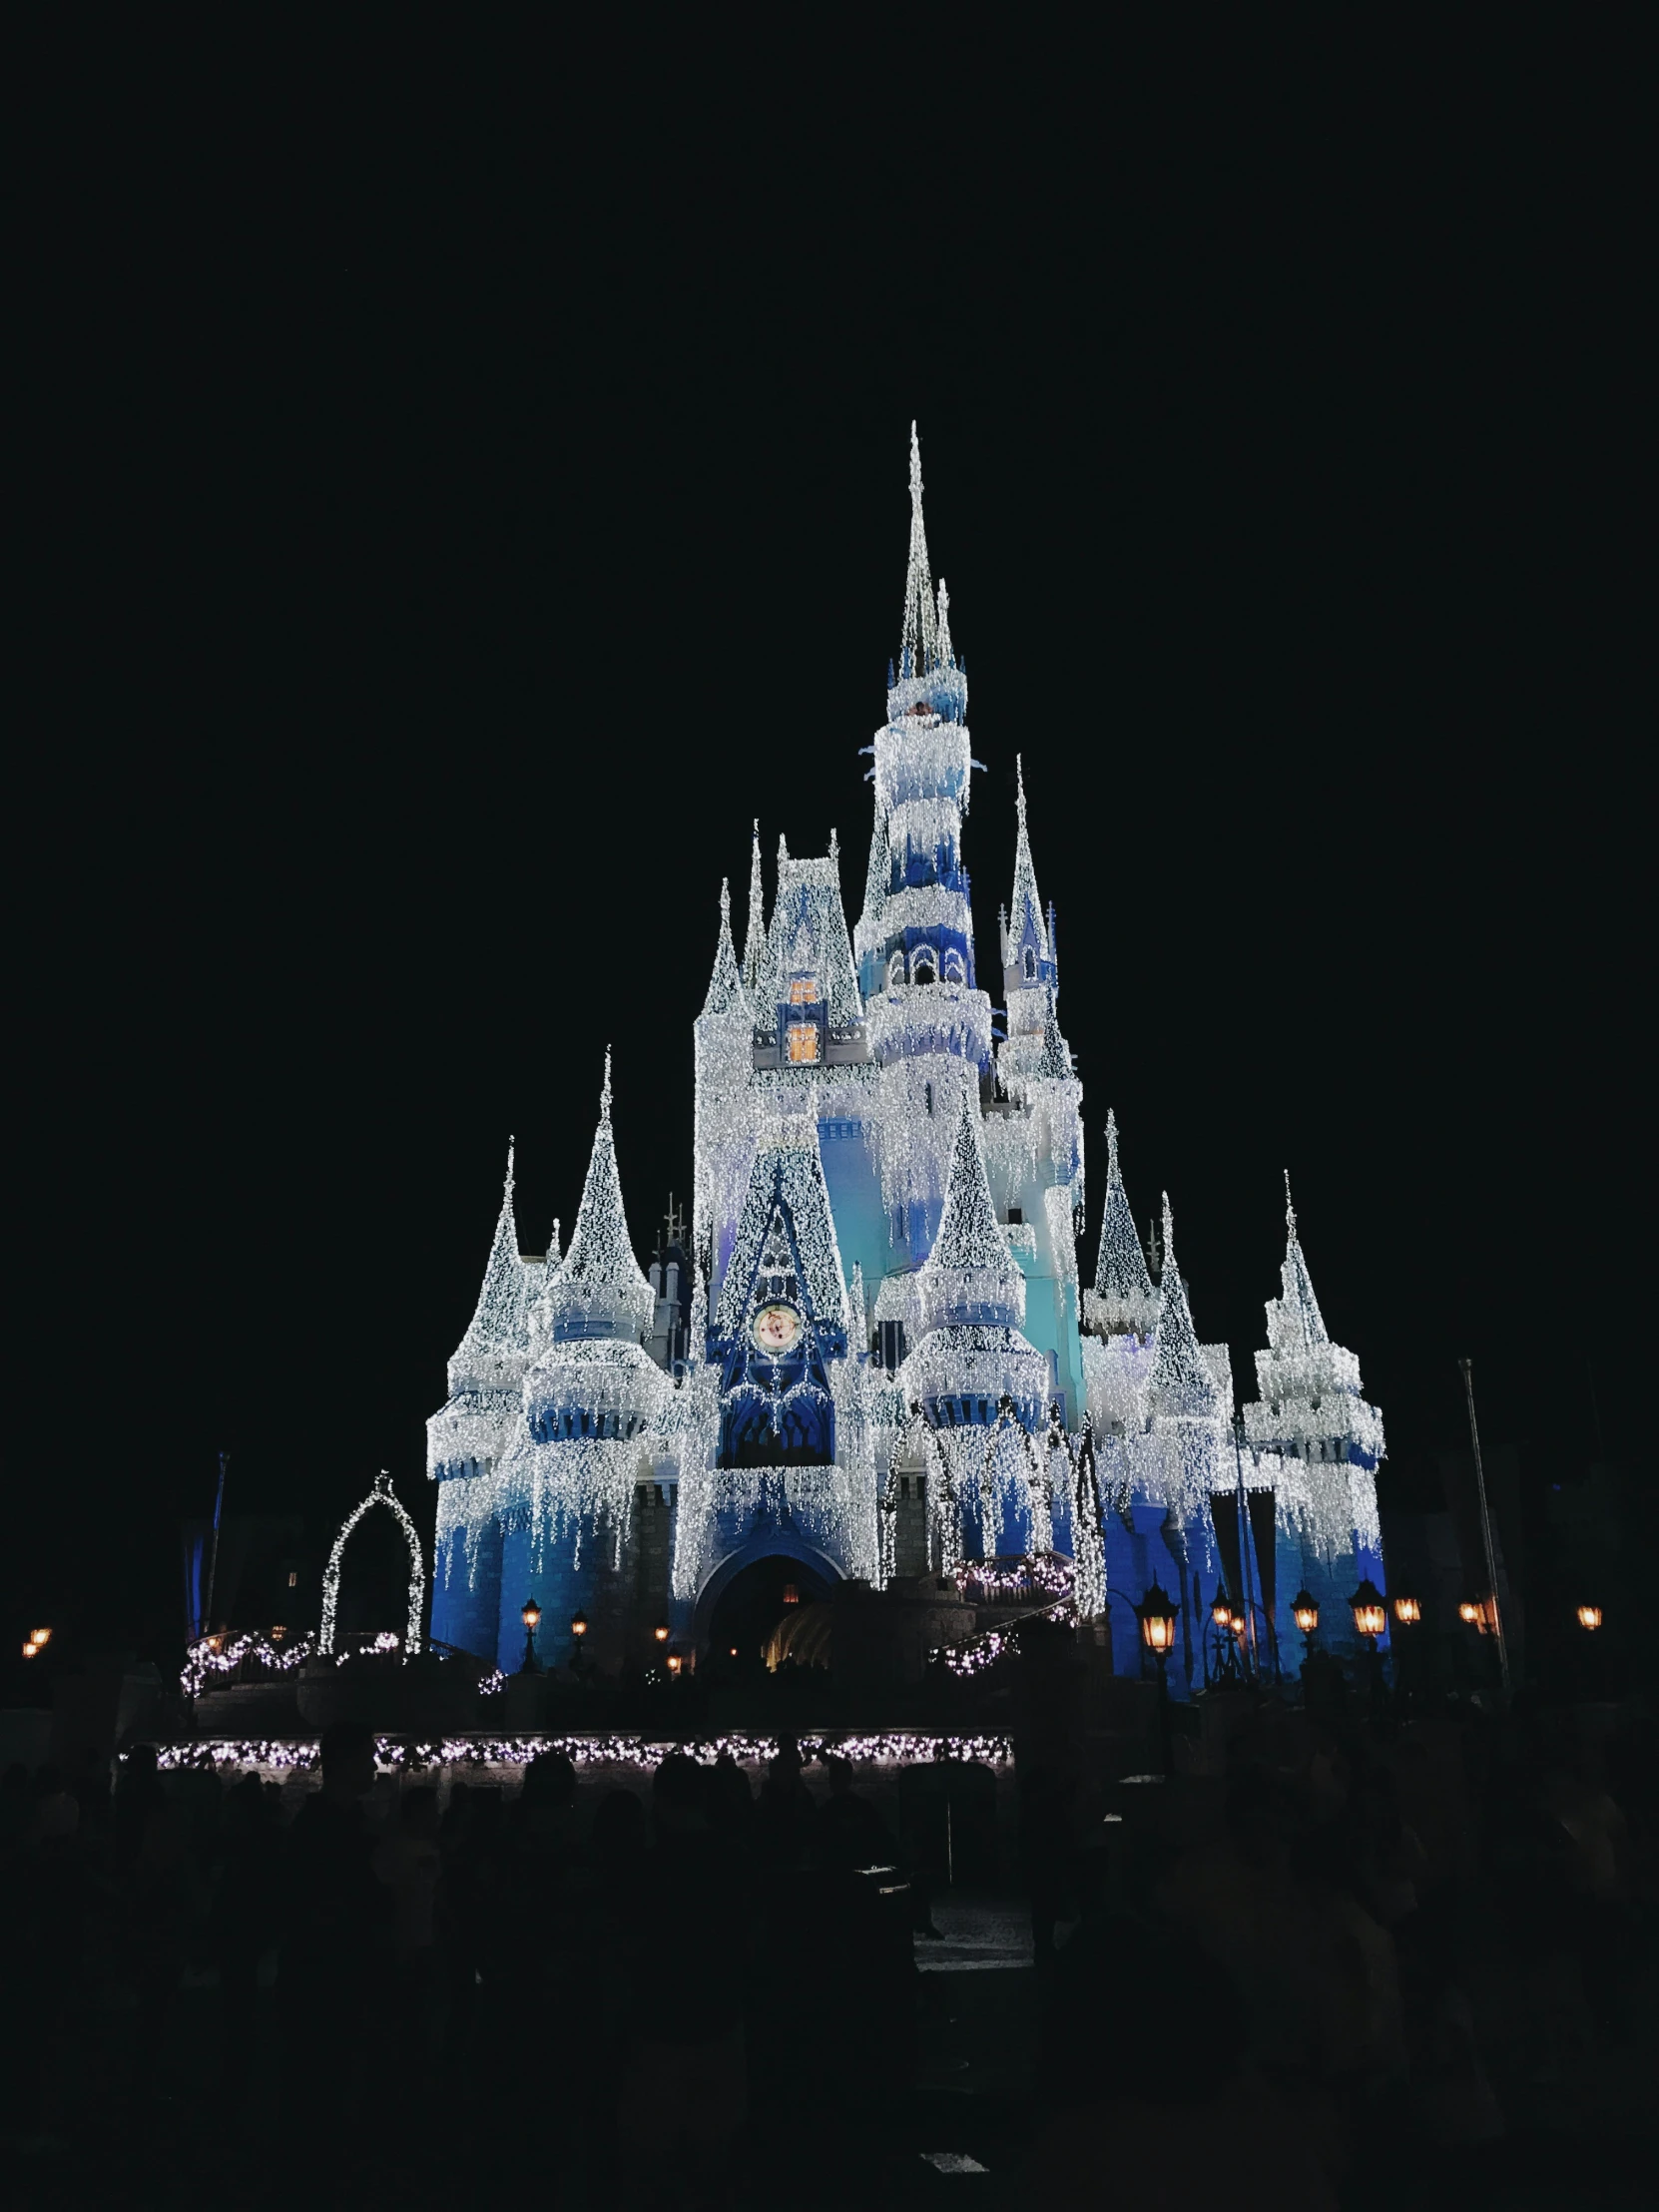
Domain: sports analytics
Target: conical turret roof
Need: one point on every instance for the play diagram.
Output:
(599, 1290)
(726, 992)
(754, 927)
(1121, 1280)
(1180, 1380)
(1298, 1306)
(499, 1328)
(970, 1275)
(1025, 908)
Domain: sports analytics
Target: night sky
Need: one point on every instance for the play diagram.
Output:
(457, 504)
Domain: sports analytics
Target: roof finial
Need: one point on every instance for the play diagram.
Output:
(1168, 1235)
(944, 622)
(920, 635)
(835, 844)
(726, 901)
(1113, 1172)
(1290, 1210)
(605, 1093)
(755, 930)
(507, 1187)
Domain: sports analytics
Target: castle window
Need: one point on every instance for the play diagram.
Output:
(804, 991)
(927, 1094)
(803, 1041)
(1017, 1215)
(1030, 965)
(954, 973)
(922, 969)
(896, 970)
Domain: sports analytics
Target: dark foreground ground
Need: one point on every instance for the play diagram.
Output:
(1262, 1986)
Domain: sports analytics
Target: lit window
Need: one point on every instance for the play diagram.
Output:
(804, 991)
(803, 1036)
(294, 1579)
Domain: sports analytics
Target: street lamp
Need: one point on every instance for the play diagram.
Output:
(1220, 1610)
(1156, 1613)
(1305, 1611)
(660, 1632)
(1472, 1614)
(529, 1614)
(1589, 1616)
(675, 1662)
(1407, 1611)
(1370, 1613)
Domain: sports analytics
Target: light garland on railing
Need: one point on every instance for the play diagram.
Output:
(213, 1655)
(975, 1653)
(398, 1754)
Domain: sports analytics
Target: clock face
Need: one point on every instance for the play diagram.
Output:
(777, 1330)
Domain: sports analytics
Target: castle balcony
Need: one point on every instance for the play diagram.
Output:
(913, 1019)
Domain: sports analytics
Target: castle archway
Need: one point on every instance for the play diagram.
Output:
(748, 1594)
(381, 1494)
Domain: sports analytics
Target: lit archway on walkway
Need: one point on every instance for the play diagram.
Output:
(381, 1494)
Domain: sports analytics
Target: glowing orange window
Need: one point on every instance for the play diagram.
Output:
(804, 991)
(803, 1040)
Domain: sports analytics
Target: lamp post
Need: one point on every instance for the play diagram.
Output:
(529, 1614)
(1305, 1612)
(660, 1632)
(1468, 1366)
(1156, 1613)
(1589, 1617)
(1371, 1618)
(578, 1629)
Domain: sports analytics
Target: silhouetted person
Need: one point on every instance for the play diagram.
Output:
(247, 1911)
(787, 1814)
(687, 2023)
(848, 1830)
(336, 1948)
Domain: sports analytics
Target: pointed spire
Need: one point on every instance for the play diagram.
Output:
(1055, 1060)
(599, 1291)
(1025, 907)
(500, 1318)
(919, 642)
(836, 847)
(1301, 1307)
(970, 1275)
(945, 653)
(555, 1247)
(1121, 1282)
(754, 930)
(725, 991)
(1180, 1380)
(875, 875)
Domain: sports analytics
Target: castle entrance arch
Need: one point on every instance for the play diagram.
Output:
(748, 1595)
(381, 1494)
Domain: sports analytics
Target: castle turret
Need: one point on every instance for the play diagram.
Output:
(1311, 1411)
(1122, 1301)
(1030, 972)
(487, 1367)
(723, 1107)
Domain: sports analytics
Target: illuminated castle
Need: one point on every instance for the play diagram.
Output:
(870, 1355)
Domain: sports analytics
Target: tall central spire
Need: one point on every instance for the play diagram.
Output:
(920, 645)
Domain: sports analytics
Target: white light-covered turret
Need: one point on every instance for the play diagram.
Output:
(970, 1300)
(1030, 972)
(723, 1107)
(1123, 1300)
(971, 1274)
(754, 927)
(592, 1379)
(599, 1290)
(1310, 1410)
(487, 1367)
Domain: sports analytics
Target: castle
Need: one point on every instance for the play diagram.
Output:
(870, 1355)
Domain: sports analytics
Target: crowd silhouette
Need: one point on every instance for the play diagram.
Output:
(1352, 1945)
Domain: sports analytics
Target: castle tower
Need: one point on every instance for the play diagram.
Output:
(591, 1402)
(1321, 1439)
(929, 1025)
(974, 1364)
(467, 1437)
(722, 1097)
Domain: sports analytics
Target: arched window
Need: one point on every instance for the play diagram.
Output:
(924, 967)
(954, 973)
(896, 971)
(1030, 965)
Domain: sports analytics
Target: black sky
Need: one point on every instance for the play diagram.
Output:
(463, 489)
